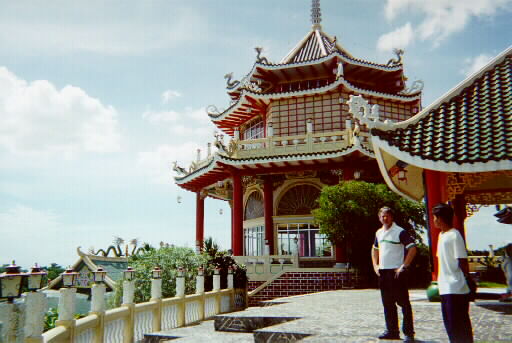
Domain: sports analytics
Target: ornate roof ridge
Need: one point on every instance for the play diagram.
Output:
(452, 93)
(340, 81)
(357, 146)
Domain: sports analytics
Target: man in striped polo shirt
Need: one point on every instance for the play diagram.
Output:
(388, 252)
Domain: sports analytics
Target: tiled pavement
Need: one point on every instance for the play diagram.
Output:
(351, 316)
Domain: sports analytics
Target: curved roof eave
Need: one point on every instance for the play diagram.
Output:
(455, 91)
(341, 81)
(344, 58)
(467, 167)
(218, 158)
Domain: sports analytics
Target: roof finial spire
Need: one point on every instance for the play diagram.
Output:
(316, 16)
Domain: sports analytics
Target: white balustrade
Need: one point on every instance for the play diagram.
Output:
(169, 317)
(114, 331)
(225, 303)
(209, 307)
(143, 323)
(192, 312)
(86, 336)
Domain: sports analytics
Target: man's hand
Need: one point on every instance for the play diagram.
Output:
(399, 270)
(376, 269)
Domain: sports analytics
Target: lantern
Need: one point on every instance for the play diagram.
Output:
(402, 174)
(36, 278)
(69, 277)
(129, 274)
(11, 282)
(357, 174)
(157, 273)
(99, 275)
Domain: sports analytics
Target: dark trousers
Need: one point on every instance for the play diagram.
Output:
(394, 291)
(455, 308)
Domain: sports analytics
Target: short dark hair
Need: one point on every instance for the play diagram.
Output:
(387, 209)
(443, 212)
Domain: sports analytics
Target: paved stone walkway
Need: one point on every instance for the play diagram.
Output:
(352, 316)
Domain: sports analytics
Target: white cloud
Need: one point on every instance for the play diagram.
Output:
(158, 117)
(400, 38)
(186, 123)
(474, 64)
(441, 18)
(169, 95)
(38, 119)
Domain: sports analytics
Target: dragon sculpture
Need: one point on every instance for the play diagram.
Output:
(116, 248)
(416, 87)
(259, 58)
(229, 150)
(396, 61)
(229, 83)
(178, 169)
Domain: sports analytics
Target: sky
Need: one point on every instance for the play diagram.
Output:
(97, 98)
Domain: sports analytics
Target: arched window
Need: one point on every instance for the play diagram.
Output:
(254, 130)
(298, 200)
(254, 206)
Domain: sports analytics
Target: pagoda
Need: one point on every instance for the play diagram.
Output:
(290, 134)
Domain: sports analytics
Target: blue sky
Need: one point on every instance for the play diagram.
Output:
(98, 98)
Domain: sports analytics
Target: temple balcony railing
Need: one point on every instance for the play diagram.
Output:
(306, 143)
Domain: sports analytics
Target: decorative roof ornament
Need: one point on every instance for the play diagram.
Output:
(416, 87)
(229, 83)
(398, 60)
(316, 15)
(259, 58)
(366, 114)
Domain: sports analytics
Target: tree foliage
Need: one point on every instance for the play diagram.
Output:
(347, 215)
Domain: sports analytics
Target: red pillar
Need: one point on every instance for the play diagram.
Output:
(199, 220)
(435, 183)
(238, 218)
(269, 211)
(459, 207)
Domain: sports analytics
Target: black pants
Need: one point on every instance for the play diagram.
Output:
(455, 308)
(394, 291)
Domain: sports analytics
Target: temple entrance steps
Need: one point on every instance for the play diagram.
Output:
(299, 281)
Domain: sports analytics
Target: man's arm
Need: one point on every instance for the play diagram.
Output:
(375, 260)
(464, 265)
(411, 252)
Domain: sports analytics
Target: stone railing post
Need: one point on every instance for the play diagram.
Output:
(180, 293)
(98, 308)
(216, 288)
(231, 286)
(36, 305)
(156, 297)
(309, 135)
(128, 302)
(66, 308)
(200, 291)
(12, 322)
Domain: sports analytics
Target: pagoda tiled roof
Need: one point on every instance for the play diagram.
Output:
(469, 129)
(217, 164)
(341, 81)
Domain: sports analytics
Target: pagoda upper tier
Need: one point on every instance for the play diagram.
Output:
(317, 64)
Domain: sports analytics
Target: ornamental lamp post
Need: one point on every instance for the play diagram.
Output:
(11, 282)
(129, 274)
(36, 278)
(69, 278)
(156, 273)
(99, 275)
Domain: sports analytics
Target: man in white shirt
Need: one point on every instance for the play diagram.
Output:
(388, 251)
(451, 279)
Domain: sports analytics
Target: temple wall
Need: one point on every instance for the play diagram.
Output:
(289, 116)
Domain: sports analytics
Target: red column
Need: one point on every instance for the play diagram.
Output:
(435, 183)
(269, 211)
(459, 207)
(199, 220)
(232, 226)
(238, 218)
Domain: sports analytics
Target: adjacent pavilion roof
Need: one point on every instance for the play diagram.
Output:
(469, 129)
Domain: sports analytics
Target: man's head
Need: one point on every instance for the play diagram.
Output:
(443, 214)
(386, 215)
